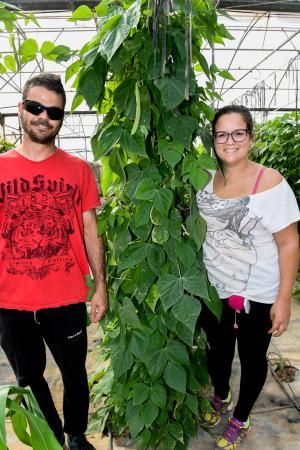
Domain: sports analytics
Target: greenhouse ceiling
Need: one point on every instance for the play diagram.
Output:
(263, 58)
(257, 5)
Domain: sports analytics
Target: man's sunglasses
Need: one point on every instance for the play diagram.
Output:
(37, 108)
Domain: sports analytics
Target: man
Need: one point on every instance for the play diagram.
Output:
(48, 243)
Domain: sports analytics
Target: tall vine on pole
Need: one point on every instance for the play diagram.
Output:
(139, 72)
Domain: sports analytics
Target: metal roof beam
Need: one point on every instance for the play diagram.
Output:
(53, 5)
(260, 5)
(242, 5)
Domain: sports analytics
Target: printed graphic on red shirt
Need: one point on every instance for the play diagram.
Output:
(37, 224)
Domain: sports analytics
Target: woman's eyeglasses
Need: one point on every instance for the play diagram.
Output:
(221, 137)
(37, 108)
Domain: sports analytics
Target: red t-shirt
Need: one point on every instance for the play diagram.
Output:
(42, 255)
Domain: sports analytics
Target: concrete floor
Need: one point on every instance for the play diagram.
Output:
(275, 419)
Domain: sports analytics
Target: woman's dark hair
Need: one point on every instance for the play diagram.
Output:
(49, 81)
(239, 109)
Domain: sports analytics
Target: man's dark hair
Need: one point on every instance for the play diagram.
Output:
(49, 81)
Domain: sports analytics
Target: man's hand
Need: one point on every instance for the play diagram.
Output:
(280, 314)
(99, 303)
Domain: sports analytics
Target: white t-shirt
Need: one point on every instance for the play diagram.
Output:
(240, 253)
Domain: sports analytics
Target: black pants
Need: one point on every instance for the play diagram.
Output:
(23, 335)
(252, 339)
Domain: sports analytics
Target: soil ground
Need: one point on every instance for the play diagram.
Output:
(275, 418)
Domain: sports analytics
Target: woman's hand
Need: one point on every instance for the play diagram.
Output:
(280, 314)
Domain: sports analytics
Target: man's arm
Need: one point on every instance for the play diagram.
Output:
(96, 256)
(288, 253)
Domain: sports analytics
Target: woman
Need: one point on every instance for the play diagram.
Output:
(251, 253)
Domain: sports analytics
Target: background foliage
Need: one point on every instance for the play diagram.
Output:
(28, 422)
(277, 145)
(139, 72)
(24, 49)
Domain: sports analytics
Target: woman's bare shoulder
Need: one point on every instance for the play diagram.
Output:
(270, 178)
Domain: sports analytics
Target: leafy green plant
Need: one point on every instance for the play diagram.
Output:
(138, 71)
(26, 49)
(27, 421)
(277, 145)
(5, 146)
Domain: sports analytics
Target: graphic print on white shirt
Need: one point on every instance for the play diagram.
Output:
(228, 239)
(239, 250)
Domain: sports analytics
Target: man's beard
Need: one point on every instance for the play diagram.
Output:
(40, 138)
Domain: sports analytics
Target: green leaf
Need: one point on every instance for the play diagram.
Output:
(202, 62)
(121, 360)
(135, 424)
(145, 189)
(156, 361)
(29, 48)
(10, 62)
(184, 334)
(133, 144)
(186, 253)
(172, 91)
(140, 393)
(156, 258)
(206, 162)
(170, 289)
(199, 178)
(143, 278)
(83, 12)
(149, 412)
(175, 377)
(3, 69)
(107, 139)
(47, 48)
(196, 229)
(192, 403)
(159, 235)
(208, 111)
(213, 302)
(158, 395)
(19, 424)
(139, 342)
(4, 391)
(129, 313)
(162, 200)
(181, 129)
(152, 297)
(73, 69)
(176, 352)
(123, 94)
(143, 440)
(132, 14)
(227, 75)
(176, 430)
(187, 311)
(142, 214)
(90, 86)
(77, 100)
(113, 38)
(133, 255)
(172, 152)
(195, 283)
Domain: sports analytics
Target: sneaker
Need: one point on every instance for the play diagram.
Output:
(233, 434)
(218, 408)
(79, 443)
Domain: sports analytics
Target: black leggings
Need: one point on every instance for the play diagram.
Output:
(253, 341)
(23, 335)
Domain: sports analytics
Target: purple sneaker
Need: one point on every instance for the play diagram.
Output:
(219, 407)
(233, 434)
